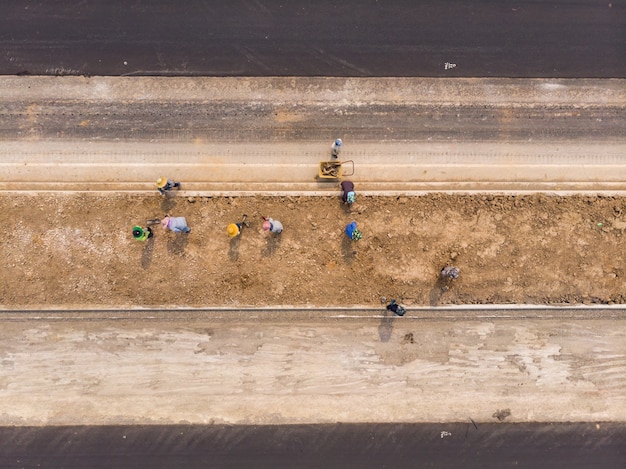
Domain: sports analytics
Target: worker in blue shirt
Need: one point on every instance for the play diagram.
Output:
(353, 232)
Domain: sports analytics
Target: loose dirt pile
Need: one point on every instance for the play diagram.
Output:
(79, 250)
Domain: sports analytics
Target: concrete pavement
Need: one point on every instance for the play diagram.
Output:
(164, 368)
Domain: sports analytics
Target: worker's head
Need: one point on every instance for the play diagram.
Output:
(165, 222)
(338, 142)
(232, 230)
(351, 197)
(161, 182)
(137, 232)
(266, 225)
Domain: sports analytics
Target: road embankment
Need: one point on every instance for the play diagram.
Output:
(268, 135)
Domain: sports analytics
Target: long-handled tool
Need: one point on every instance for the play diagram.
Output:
(243, 222)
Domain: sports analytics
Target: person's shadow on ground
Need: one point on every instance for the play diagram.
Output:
(348, 249)
(177, 244)
(441, 286)
(168, 202)
(273, 243)
(146, 254)
(233, 248)
(347, 208)
(385, 329)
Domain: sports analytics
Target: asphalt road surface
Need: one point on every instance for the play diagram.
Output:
(314, 446)
(429, 38)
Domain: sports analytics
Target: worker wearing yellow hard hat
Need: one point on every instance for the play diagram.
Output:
(233, 230)
(164, 184)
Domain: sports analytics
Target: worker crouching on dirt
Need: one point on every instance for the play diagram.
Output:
(141, 234)
(449, 273)
(271, 225)
(395, 308)
(347, 196)
(164, 185)
(175, 224)
(353, 232)
(234, 229)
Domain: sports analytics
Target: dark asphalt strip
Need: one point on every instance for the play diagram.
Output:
(464, 444)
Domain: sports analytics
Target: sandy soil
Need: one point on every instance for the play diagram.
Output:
(78, 250)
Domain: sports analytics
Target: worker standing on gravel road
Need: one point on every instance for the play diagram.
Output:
(165, 184)
(176, 224)
(141, 234)
(336, 148)
(353, 232)
(271, 225)
(348, 196)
